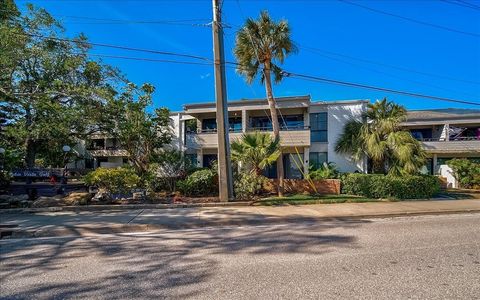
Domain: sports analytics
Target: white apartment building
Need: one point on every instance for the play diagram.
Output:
(308, 130)
(446, 134)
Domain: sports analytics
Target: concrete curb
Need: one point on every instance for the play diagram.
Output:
(130, 228)
(120, 207)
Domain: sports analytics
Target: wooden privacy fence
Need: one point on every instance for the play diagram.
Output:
(325, 186)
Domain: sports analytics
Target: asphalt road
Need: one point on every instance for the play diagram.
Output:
(429, 257)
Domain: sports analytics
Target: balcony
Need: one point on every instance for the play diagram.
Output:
(288, 138)
(107, 152)
(463, 144)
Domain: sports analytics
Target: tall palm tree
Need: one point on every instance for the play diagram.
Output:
(380, 138)
(260, 46)
(256, 151)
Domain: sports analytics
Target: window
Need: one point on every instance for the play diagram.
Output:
(317, 159)
(192, 159)
(319, 127)
(191, 126)
(421, 134)
(288, 122)
(208, 160)
(260, 123)
(209, 125)
(235, 124)
(291, 122)
(293, 165)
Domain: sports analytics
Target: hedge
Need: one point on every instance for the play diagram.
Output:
(384, 186)
(199, 183)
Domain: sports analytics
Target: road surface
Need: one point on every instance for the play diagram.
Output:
(428, 257)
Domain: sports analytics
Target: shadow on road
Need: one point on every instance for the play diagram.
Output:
(168, 264)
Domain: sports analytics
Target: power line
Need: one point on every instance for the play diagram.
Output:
(150, 59)
(364, 86)
(469, 4)
(311, 49)
(287, 74)
(393, 75)
(461, 3)
(116, 46)
(410, 19)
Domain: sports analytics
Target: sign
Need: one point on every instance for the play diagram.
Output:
(42, 173)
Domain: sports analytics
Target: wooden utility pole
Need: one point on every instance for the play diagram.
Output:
(225, 181)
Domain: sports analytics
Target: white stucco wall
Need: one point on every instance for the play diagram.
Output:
(176, 130)
(447, 172)
(338, 116)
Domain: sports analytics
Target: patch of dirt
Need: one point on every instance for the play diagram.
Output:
(72, 199)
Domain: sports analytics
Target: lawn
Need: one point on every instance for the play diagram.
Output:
(299, 199)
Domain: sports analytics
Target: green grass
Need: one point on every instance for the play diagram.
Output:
(299, 199)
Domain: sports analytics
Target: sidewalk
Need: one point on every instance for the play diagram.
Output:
(102, 222)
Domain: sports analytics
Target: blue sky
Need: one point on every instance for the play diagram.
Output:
(348, 39)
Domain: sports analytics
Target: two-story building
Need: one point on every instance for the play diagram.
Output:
(308, 130)
(102, 150)
(446, 134)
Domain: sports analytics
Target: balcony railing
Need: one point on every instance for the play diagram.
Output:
(213, 130)
(460, 138)
(292, 137)
(282, 128)
(251, 129)
(104, 148)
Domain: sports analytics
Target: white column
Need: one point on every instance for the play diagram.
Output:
(306, 159)
(199, 158)
(445, 136)
(306, 118)
(181, 135)
(199, 125)
(244, 120)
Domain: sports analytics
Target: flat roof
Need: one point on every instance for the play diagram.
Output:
(247, 101)
(443, 114)
(263, 101)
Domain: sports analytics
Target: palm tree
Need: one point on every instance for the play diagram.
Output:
(380, 138)
(260, 45)
(256, 150)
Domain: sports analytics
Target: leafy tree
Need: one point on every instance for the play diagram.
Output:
(53, 94)
(260, 46)
(466, 171)
(256, 151)
(380, 138)
(172, 165)
(139, 132)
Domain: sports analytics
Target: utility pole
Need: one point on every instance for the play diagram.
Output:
(225, 181)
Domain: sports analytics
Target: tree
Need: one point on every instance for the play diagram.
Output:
(53, 94)
(380, 138)
(140, 133)
(172, 166)
(260, 46)
(256, 150)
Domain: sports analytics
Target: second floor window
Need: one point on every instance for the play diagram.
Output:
(319, 127)
(288, 122)
(210, 125)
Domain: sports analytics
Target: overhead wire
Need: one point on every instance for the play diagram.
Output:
(378, 11)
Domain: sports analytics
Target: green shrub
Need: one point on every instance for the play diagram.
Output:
(199, 183)
(5, 178)
(119, 180)
(326, 171)
(385, 186)
(248, 185)
(466, 171)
